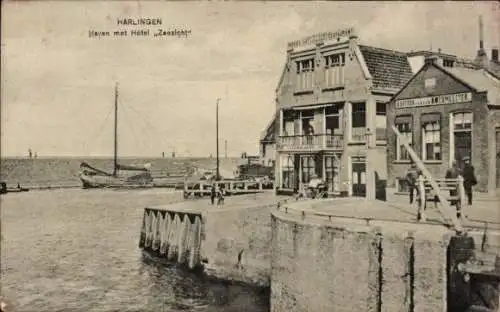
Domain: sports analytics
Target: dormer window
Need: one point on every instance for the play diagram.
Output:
(430, 82)
(305, 74)
(334, 69)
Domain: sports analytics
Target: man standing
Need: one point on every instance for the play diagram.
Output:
(469, 179)
(411, 177)
(213, 193)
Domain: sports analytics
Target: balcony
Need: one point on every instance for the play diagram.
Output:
(311, 142)
(380, 134)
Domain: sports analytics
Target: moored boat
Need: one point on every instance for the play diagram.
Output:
(123, 176)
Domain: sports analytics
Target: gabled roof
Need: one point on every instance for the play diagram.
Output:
(388, 68)
(429, 53)
(283, 72)
(268, 134)
(494, 68)
(479, 79)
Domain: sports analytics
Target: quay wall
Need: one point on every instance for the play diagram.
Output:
(232, 244)
(237, 244)
(349, 264)
(315, 255)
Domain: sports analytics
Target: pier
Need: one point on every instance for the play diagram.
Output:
(232, 187)
(304, 251)
(228, 242)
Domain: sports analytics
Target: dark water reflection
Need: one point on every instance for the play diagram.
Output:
(76, 250)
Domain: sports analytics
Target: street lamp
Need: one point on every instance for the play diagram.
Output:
(217, 173)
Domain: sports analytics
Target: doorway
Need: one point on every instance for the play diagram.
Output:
(463, 146)
(358, 176)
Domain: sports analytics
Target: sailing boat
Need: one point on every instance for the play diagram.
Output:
(123, 176)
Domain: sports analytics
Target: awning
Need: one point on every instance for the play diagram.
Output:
(432, 117)
(299, 108)
(403, 119)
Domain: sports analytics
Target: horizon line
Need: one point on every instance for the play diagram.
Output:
(109, 157)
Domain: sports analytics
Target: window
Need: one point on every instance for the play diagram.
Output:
(287, 172)
(404, 125)
(289, 127)
(307, 119)
(462, 121)
(332, 168)
(431, 137)
(358, 122)
(381, 122)
(461, 136)
(305, 74)
(308, 168)
(334, 69)
(333, 119)
(430, 82)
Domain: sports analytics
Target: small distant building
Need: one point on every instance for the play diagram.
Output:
(267, 144)
(331, 113)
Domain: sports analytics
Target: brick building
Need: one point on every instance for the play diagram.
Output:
(447, 113)
(331, 113)
(449, 109)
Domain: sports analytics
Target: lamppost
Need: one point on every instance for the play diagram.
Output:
(217, 173)
(371, 145)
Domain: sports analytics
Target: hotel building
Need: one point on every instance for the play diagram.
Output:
(331, 113)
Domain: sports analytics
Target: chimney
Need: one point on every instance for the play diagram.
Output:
(434, 59)
(481, 34)
(353, 34)
(494, 54)
(481, 57)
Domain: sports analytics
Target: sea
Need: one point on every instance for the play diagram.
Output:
(70, 249)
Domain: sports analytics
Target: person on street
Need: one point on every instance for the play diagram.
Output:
(469, 179)
(411, 178)
(452, 173)
(221, 193)
(213, 193)
(314, 184)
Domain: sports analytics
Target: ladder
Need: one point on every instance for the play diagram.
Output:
(444, 207)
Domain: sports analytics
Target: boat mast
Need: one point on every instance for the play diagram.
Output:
(115, 158)
(217, 174)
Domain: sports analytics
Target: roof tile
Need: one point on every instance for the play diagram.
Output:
(389, 69)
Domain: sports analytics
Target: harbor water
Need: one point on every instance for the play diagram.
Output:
(77, 250)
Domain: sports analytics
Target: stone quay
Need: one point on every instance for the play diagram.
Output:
(346, 254)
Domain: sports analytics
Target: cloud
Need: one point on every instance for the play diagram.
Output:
(57, 84)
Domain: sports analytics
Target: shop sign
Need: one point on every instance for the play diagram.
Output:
(320, 38)
(435, 100)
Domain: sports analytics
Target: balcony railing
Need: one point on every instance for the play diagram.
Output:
(380, 134)
(358, 134)
(311, 142)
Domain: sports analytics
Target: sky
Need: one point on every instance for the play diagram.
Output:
(57, 90)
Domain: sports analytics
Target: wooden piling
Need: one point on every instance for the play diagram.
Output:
(194, 255)
(148, 229)
(169, 225)
(173, 240)
(181, 239)
(187, 241)
(164, 236)
(142, 239)
(156, 231)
